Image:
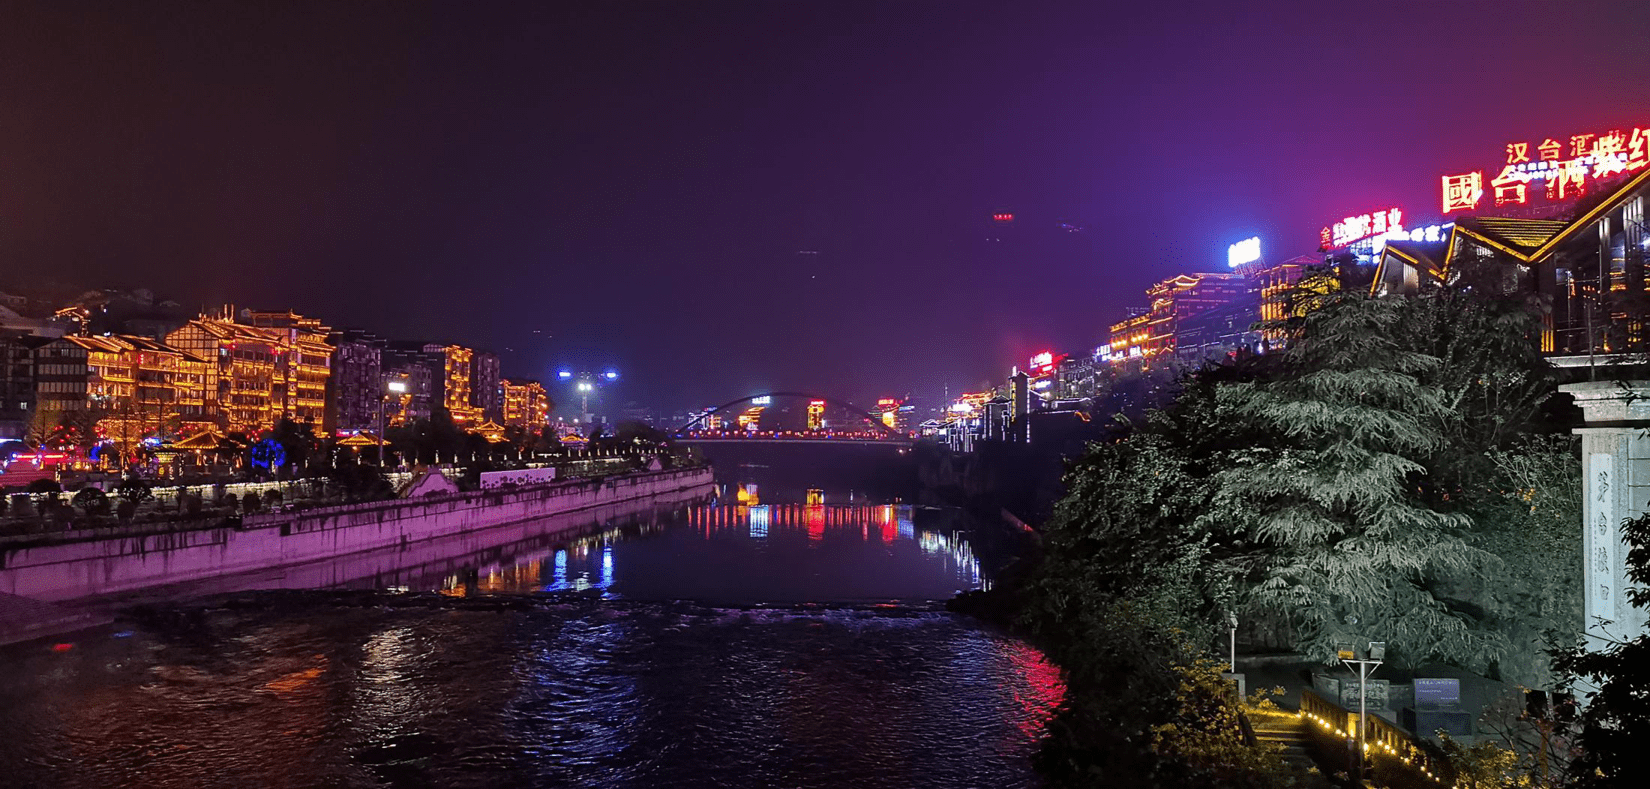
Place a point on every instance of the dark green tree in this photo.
(1350, 546)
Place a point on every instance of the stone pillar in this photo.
(1615, 466)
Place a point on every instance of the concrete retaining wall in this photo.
(87, 569)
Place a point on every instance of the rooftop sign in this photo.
(1563, 170)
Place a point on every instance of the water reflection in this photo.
(816, 547)
(655, 648)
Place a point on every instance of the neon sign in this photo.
(1043, 363)
(1357, 228)
(1565, 169)
(1245, 251)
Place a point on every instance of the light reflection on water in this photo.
(661, 654)
(743, 551)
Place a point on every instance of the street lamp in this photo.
(395, 387)
(1364, 667)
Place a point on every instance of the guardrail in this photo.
(1398, 757)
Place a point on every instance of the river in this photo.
(759, 640)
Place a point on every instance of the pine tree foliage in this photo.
(1350, 542)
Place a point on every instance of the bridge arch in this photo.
(838, 402)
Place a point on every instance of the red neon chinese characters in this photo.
(1550, 150)
(1518, 152)
(1607, 154)
(1638, 149)
(1580, 145)
(1462, 192)
(1569, 174)
(1511, 186)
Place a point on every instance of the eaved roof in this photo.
(1427, 256)
(1532, 239)
(1517, 237)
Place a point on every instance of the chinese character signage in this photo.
(1357, 228)
(1549, 171)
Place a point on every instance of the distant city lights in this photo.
(763, 400)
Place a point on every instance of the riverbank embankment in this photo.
(94, 568)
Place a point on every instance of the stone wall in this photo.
(125, 564)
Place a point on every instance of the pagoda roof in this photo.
(362, 439)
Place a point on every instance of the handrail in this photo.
(1384, 740)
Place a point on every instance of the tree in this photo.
(1617, 715)
(1349, 544)
(297, 440)
(47, 486)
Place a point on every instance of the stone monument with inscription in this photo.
(1615, 464)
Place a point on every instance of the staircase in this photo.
(1288, 731)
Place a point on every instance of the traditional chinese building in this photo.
(1152, 335)
(142, 388)
(303, 364)
(257, 375)
(526, 404)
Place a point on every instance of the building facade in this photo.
(486, 395)
(356, 388)
(1153, 336)
(526, 404)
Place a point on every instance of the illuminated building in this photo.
(526, 404)
(451, 370)
(816, 414)
(887, 412)
(963, 423)
(1570, 263)
(240, 370)
(1151, 336)
(255, 376)
(751, 420)
(142, 388)
(303, 364)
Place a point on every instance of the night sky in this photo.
(638, 183)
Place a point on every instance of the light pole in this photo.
(397, 387)
(1232, 623)
(585, 383)
(1364, 666)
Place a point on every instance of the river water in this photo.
(755, 641)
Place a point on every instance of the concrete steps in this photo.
(1289, 732)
